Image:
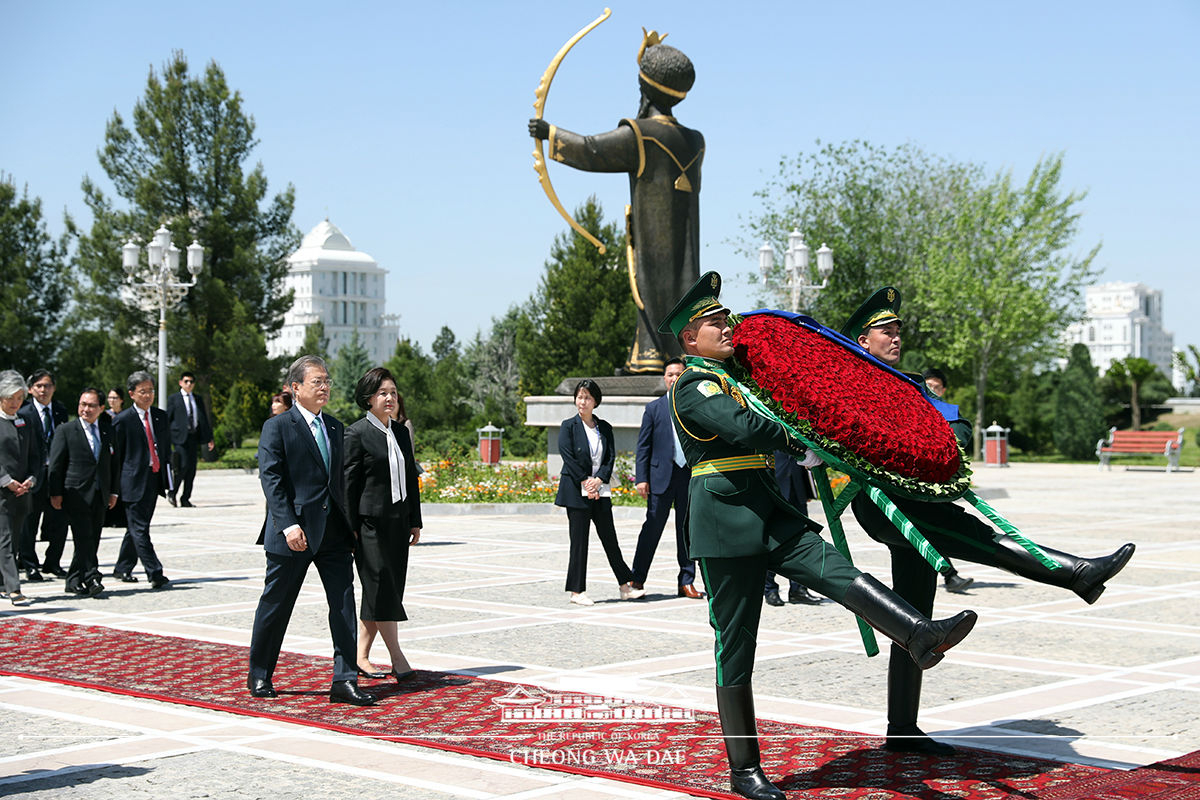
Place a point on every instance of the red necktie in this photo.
(150, 440)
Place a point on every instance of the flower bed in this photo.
(462, 478)
(867, 417)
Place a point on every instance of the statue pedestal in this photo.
(625, 398)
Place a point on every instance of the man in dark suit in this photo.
(300, 467)
(83, 485)
(189, 427)
(661, 476)
(44, 414)
(143, 447)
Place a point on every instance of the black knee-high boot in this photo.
(903, 702)
(735, 704)
(1084, 576)
(925, 640)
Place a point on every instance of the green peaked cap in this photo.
(879, 309)
(699, 301)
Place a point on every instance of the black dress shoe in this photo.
(57, 572)
(125, 577)
(159, 581)
(33, 576)
(911, 739)
(261, 687)
(773, 598)
(375, 676)
(348, 692)
(171, 500)
(803, 596)
(402, 676)
(93, 588)
(78, 589)
(186, 504)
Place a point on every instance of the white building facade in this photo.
(1123, 320)
(343, 288)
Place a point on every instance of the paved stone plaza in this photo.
(1116, 684)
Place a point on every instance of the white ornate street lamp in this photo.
(155, 285)
(795, 264)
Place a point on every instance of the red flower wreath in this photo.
(866, 416)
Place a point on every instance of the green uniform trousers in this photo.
(735, 592)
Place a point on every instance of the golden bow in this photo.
(539, 105)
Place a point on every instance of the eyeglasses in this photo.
(89, 405)
(142, 392)
(187, 380)
(320, 383)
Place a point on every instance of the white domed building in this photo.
(342, 287)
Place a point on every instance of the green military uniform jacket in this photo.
(728, 507)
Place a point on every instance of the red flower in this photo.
(870, 412)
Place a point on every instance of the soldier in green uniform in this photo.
(741, 526)
(954, 533)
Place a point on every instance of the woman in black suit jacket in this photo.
(383, 498)
(585, 443)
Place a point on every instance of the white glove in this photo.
(811, 459)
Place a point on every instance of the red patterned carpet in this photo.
(664, 747)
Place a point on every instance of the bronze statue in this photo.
(663, 160)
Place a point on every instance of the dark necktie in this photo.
(191, 414)
(154, 465)
(47, 424)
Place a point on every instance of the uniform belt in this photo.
(733, 464)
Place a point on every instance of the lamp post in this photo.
(795, 263)
(154, 284)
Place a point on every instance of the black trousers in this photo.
(137, 545)
(184, 457)
(284, 578)
(658, 507)
(735, 594)
(578, 522)
(86, 522)
(54, 530)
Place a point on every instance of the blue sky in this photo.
(404, 123)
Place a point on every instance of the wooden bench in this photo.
(1154, 443)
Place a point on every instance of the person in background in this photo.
(116, 402)
(43, 413)
(936, 383)
(19, 468)
(383, 499)
(585, 443)
(661, 477)
(83, 483)
(189, 427)
(143, 445)
(796, 488)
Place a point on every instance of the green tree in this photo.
(493, 382)
(33, 283)
(1078, 421)
(1032, 408)
(1003, 282)
(877, 209)
(1130, 375)
(316, 343)
(1190, 367)
(582, 316)
(985, 269)
(183, 163)
(350, 363)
